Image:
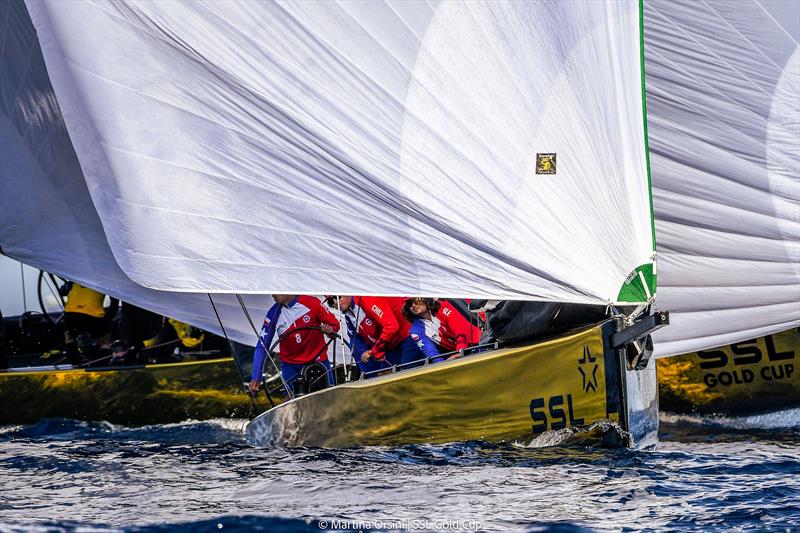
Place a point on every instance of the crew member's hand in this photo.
(327, 329)
(254, 386)
(365, 356)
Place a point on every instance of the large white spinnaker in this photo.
(47, 218)
(723, 103)
(362, 147)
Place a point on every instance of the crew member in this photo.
(122, 354)
(296, 350)
(457, 333)
(381, 331)
(437, 327)
(84, 323)
(84, 311)
(191, 337)
(425, 329)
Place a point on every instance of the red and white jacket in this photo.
(300, 347)
(379, 322)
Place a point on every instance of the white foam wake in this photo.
(789, 418)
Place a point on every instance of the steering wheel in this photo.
(50, 284)
(273, 356)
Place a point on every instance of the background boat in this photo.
(135, 395)
(749, 377)
(178, 375)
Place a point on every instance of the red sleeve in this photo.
(463, 332)
(461, 342)
(379, 311)
(326, 317)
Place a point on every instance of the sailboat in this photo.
(198, 380)
(349, 149)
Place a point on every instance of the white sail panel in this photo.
(360, 147)
(723, 102)
(47, 218)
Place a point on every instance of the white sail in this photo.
(47, 218)
(723, 106)
(362, 147)
(722, 97)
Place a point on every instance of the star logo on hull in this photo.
(587, 366)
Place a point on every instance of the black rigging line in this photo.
(267, 353)
(232, 348)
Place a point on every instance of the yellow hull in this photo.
(759, 375)
(501, 395)
(133, 396)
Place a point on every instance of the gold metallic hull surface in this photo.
(489, 396)
(154, 394)
(759, 375)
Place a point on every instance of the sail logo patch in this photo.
(545, 163)
(587, 366)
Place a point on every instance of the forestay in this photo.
(362, 147)
(723, 102)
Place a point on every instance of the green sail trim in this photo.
(644, 118)
(640, 284)
(634, 290)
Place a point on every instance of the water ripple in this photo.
(201, 476)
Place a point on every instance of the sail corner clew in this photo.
(639, 286)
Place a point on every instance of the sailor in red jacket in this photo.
(437, 327)
(305, 346)
(456, 331)
(378, 331)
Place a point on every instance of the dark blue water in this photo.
(201, 476)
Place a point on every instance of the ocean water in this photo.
(705, 474)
